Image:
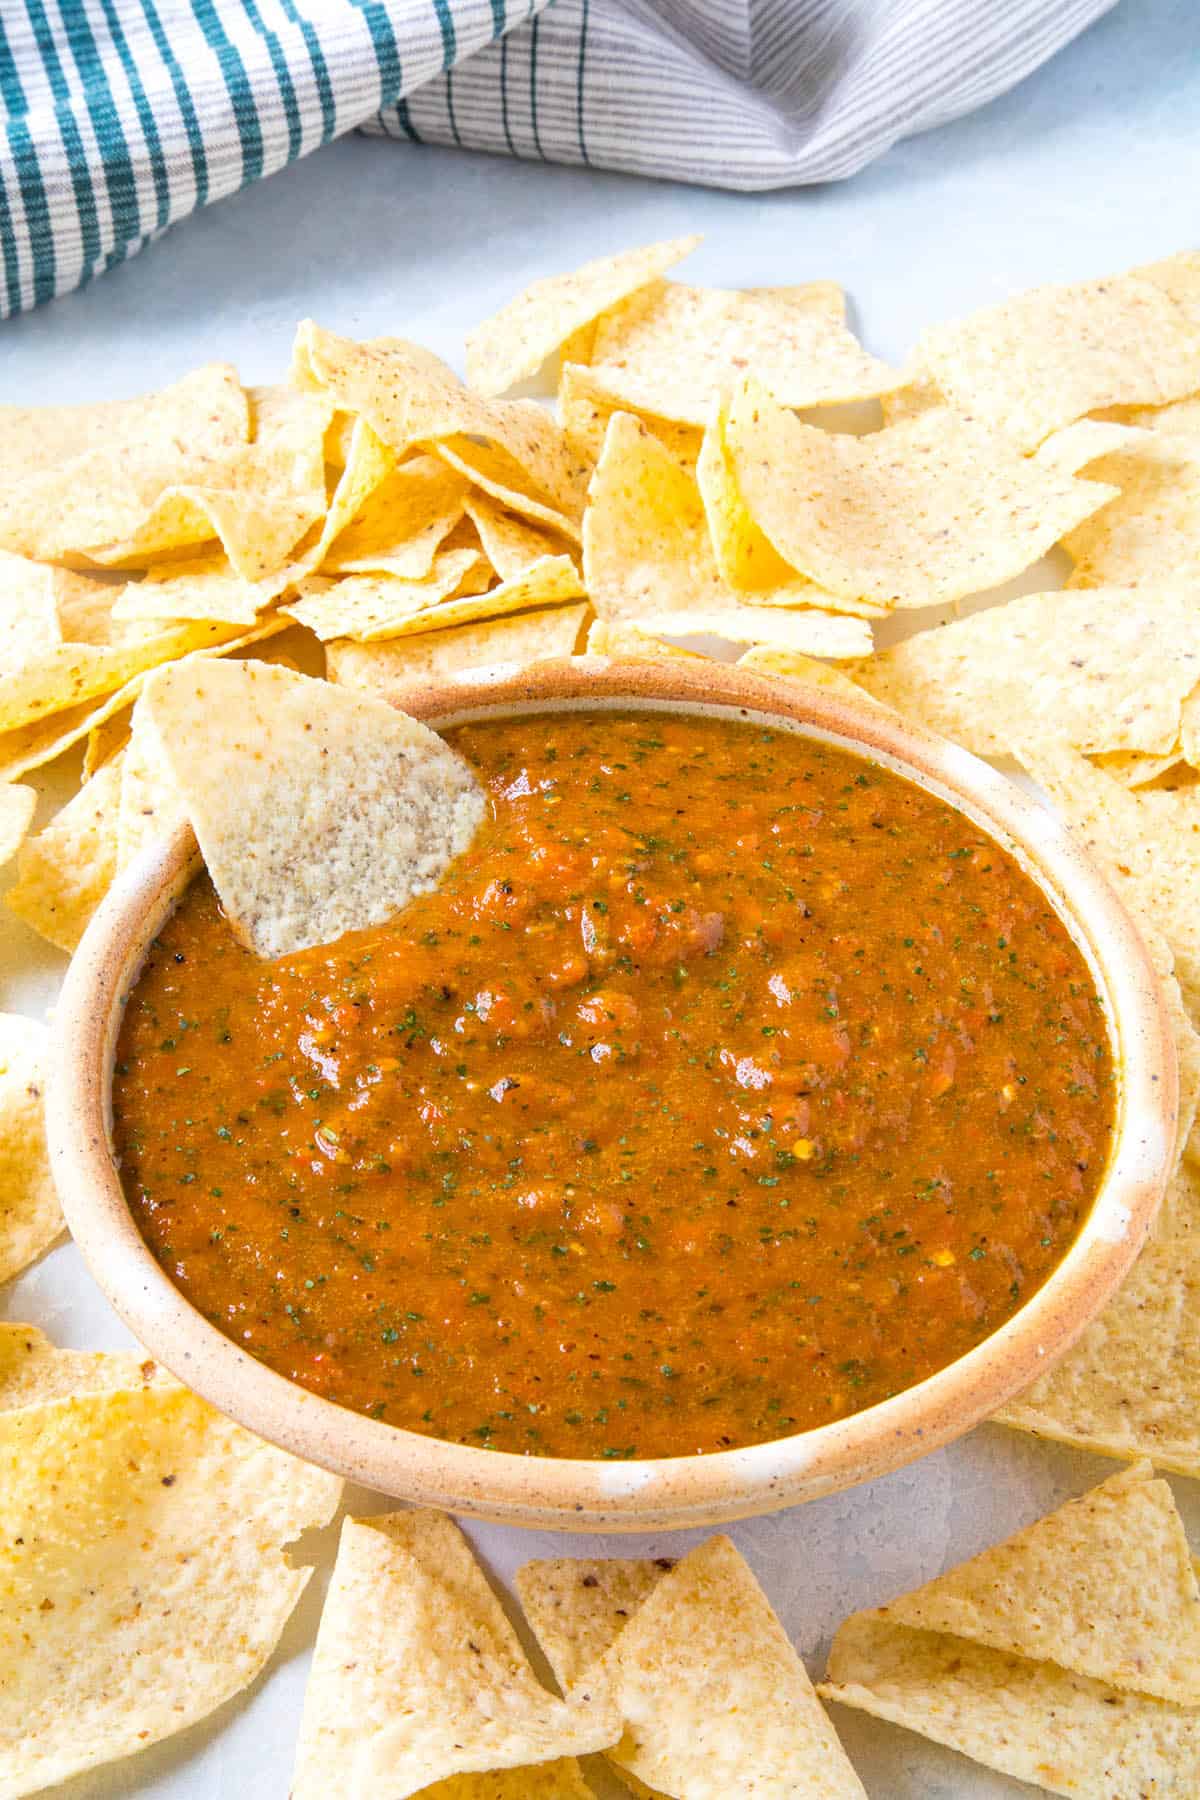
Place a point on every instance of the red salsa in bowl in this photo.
(729, 1084)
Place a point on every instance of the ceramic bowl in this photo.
(680, 1491)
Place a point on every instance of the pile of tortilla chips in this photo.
(1068, 1656)
(722, 465)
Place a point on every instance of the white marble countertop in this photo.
(1088, 167)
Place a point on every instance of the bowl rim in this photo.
(570, 1494)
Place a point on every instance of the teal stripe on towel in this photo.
(29, 176)
(183, 99)
(145, 113)
(81, 180)
(237, 83)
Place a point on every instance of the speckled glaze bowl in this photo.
(680, 1491)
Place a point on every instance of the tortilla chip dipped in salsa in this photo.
(722, 1085)
(318, 810)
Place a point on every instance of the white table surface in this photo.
(1090, 166)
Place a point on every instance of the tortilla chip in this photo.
(915, 515)
(1135, 768)
(206, 587)
(1076, 446)
(339, 436)
(1041, 360)
(29, 746)
(367, 463)
(412, 399)
(1181, 418)
(29, 626)
(533, 439)
(1178, 277)
(370, 606)
(1104, 1586)
(1104, 669)
(559, 1780)
(480, 574)
(206, 409)
(513, 344)
(496, 473)
(258, 501)
(585, 407)
(1053, 772)
(30, 1218)
(406, 394)
(1150, 532)
(85, 603)
(149, 807)
(17, 807)
(104, 740)
(1187, 1039)
(578, 1608)
(418, 1676)
(548, 582)
(745, 556)
(714, 1698)
(95, 478)
(1173, 768)
(1189, 729)
(1066, 1733)
(144, 1580)
(318, 811)
(510, 542)
(824, 297)
(1149, 848)
(256, 519)
(674, 350)
(496, 645)
(646, 544)
(291, 428)
(34, 1371)
(578, 347)
(400, 524)
(919, 394)
(620, 638)
(789, 665)
(72, 673)
(62, 678)
(65, 871)
(1130, 1385)
(543, 582)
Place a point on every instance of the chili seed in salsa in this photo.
(728, 1085)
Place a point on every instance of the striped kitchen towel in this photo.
(123, 116)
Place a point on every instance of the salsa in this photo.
(729, 1084)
